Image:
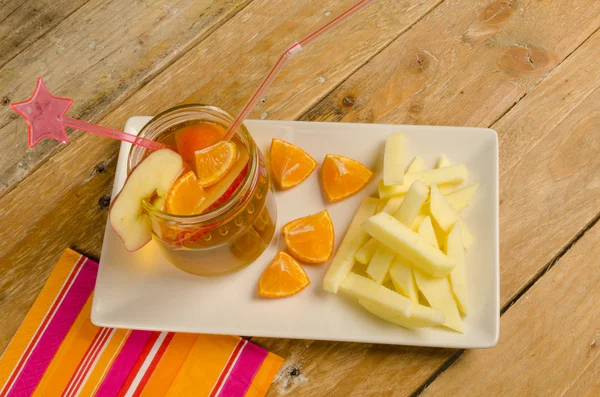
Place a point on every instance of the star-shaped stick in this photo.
(45, 117)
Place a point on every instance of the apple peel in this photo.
(153, 176)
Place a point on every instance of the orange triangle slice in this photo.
(341, 177)
(290, 165)
(214, 162)
(282, 277)
(310, 239)
(186, 196)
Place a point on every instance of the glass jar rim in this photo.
(168, 119)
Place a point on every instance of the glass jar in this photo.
(233, 234)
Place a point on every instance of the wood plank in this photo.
(588, 383)
(20, 278)
(552, 191)
(98, 60)
(554, 355)
(23, 22)
(225, 70)
(325, 370)
(539, 215)
(317, 368)
(78, 160)
(210, 73)
(480, 71)
(466, 63)
(68, 174)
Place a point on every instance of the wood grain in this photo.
(550, 170)
(475, 83)
(82, 155)
(98, 60)
(22, 274)
(464, 63)
(554, 355)
(23, 22)
(459, 66)
(539, 214)
(226, 70)
(78, 164)
(210, 72)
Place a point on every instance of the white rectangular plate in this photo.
(141, 290)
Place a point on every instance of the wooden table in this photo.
(530, 69)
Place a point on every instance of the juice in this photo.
(236, 220)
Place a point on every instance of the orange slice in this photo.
(185, 196)
(213, 163)
(310, 239)
(342, 177)
(290, 164)
(282, 277)
(195, 137)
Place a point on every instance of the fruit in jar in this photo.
(153, 176)
(185, 196)
(195, 137)
(214, 162)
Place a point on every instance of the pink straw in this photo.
(114, 134)
(287, 54)
(45, 117)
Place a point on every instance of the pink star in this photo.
(44, 115)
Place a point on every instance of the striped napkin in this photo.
(58, 351)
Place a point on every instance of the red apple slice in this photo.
(151, 177)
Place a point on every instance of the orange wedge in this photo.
(282, 277)
(196, 137)
(310, 239)
(185, 196)
(342, 177)
(214, 162)
(290, 164)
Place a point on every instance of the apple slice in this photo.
(441, 210)
(355, 237)
(397, 236)
(458, 276)
(151, 177)
(362, 288)
(403, 280)
(461, 198)
(443, 162)
(380, 263)
(421, 316)
(366, 252)
(416, 165)
(392, 205)
(439, 176)
(393, 160)
(406, 213)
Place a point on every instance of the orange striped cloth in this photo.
(57, 351)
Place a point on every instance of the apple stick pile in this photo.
(403, 256)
